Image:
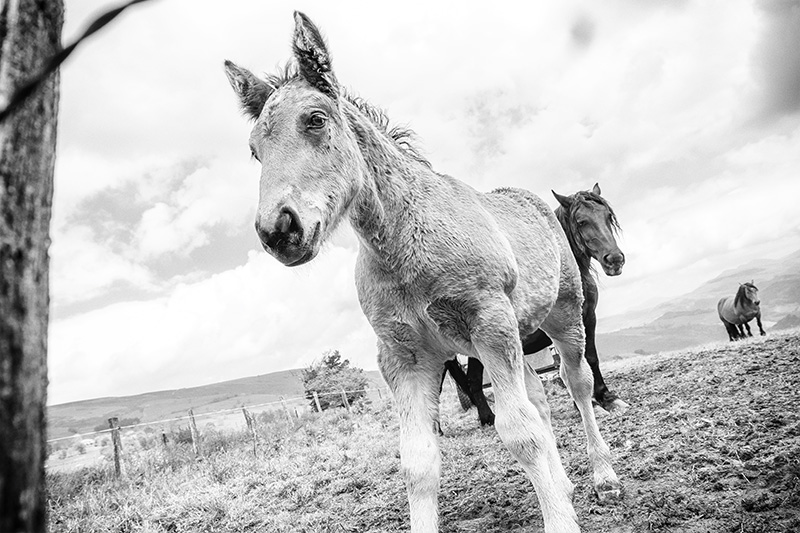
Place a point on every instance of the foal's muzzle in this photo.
(285, 237)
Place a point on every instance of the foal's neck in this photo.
(385, 206)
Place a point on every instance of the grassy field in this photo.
(710, 444)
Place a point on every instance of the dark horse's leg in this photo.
(604, 397)
(747, 327)
(475, 379)
(760, 327)
(607, 399)
(733, 333)
(471, 384)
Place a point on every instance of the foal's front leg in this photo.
(414, 381)
(760, 327)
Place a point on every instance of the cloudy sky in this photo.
(686, 112)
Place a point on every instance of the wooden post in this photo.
(251, 425)
(195, 434)
(344, 401)
(316, 402)
(286, 410)
(164, 438)
(31, 33)
(113, 423)
(380, 394)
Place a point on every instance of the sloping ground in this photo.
(710, 444)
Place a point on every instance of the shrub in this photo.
(328, 377)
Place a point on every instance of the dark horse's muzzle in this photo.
(612, 263)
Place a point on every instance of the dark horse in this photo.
(737, 312)
(590, 225)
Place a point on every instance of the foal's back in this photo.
(547, 271)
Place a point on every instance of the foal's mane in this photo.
(568, 221)
(403, 138)
(741, 293)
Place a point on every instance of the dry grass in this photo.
(711, 444)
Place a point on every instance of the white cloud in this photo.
(83, 269)
(221, 194)
(259, 318)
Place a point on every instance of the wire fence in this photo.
(233, 410)
(86, 449)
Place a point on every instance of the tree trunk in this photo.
(30, 31)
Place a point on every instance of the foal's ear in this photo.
(252, 91)
(312, 56)
(596, 189)
(565, 201)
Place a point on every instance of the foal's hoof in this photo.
(487, 420)
(617, 406)
(611, 403)
(609, 491)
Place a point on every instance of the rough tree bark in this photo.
(30, 31)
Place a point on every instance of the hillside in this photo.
(83, 416)
(691, 319)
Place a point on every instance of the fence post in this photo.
(113, 423)
(195, 434)
(316, 401)
(380, 394)
(344, 401)
(248, 418)
(286, 410)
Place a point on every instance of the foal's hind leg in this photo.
(538, 397)
(747, 327)
(525, 433)
(568, 335)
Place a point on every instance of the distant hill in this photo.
(691, 319)
(83, 416)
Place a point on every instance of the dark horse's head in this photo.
(747, 295)
(310, 165)
(590, 225)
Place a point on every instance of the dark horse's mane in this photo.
(741, 294)
(403, 138)
(567, 219)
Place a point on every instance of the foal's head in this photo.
(591, 228)
(310, 164)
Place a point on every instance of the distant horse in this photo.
(590, 224)
(442, 269)
(736, 311)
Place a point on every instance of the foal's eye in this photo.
(316, 121)
(253, 154)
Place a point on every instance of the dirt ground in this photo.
(711, 443)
